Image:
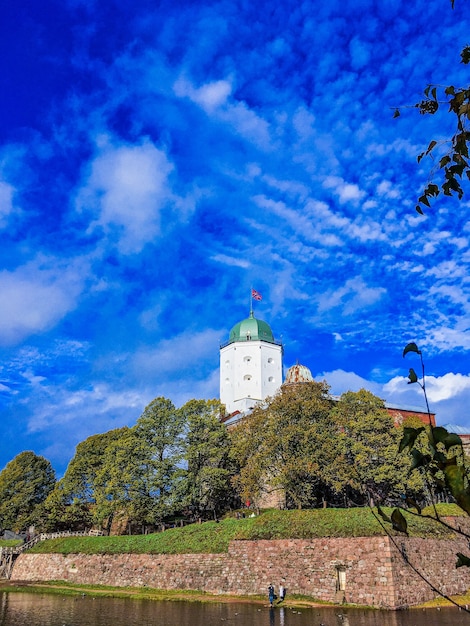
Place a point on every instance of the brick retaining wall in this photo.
(376, 575)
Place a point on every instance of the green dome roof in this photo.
(251, 329)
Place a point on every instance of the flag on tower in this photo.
(256, 295)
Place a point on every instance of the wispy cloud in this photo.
(37, 295)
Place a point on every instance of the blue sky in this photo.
(157, 159)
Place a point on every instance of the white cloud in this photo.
(248, 124)
(214, 99)
(341, 381)
(6, 202)
(128, 189)
(346, 192)
(36, 296)
(447, 338)
(230, 260)
(447, 386)
(182, 353)
(96, 408)
(209, 97)
(386, 189)
(446, 394)
(353, 296)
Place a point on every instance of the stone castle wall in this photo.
(373, 572)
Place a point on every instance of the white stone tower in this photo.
(250, 365)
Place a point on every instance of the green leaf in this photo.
(420, 210)
(399, 522)
(452, 440)
(418, 459)
(462, 560)
(409, 437)
(465, 54)
(411, 347)
(439, 434)
(431, 146)
(440, 458)
(396, 113)
(455, 480)
(445, 159)
(424, 200)
(383, 515)
(432, 190)
(412, 376)
(414, 504)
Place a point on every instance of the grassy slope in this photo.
(10, 543)
(213, 537)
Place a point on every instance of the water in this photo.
(26, 609)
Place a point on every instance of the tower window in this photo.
(247, 359)
(271, 379)
(270, 360)
(247, 377)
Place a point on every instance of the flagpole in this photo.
(251, 301)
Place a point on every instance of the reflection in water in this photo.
(272, 620)
(25, 609)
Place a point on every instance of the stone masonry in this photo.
(372, 570)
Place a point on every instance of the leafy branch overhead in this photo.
(453, 163)
(438, 455)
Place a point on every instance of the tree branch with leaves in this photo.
(453, 162)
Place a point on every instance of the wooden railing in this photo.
(8, 555)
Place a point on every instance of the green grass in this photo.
(210, 537)
(10, 543)
(213, 537)
(444, 509)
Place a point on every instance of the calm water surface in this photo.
(24, 609)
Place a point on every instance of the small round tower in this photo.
(298, 374)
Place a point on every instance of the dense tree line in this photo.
(302, 445)
(318, 451)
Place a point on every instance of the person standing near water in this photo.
(282, 593)
(271, 594)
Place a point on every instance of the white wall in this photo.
(250, 371)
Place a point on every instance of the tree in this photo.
(77, 496)
(81, 481)
(283, 448)
(369, 467)
(25, 483)
(143, 468)
(207, 483)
